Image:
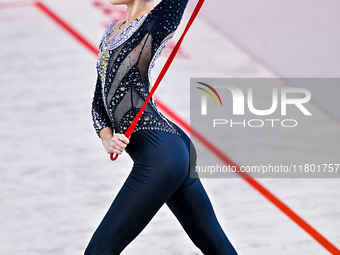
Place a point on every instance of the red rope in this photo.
(162, 73)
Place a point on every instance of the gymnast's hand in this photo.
(113, 143)
(117, 144)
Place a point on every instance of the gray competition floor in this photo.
(56, 180)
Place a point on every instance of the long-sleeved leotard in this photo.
(163, 162)
(124, 64)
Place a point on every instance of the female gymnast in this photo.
(162, 153)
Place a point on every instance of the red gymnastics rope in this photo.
(162, 73)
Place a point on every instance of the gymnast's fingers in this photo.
(122, 138)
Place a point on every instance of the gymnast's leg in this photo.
(193, 209)
(157, 173)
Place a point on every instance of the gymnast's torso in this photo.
(125, 59)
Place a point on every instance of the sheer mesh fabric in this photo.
(124, 63)
(136, 61)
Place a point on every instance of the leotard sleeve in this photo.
(143, 46)
(166, 17)
(99, 114)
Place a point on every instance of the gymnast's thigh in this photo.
(136, 203)
(148, 186)
(193, 209)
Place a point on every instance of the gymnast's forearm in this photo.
(113, 143)
(106, 135)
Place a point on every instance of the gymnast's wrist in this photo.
(106, 135)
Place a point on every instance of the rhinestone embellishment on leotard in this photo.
(120, 38)
(146, 121)
(125, 85)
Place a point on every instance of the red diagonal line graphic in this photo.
(67, 27)
(265, 192)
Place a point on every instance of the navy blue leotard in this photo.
(163, 156)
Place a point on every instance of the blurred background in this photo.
(56, 180)
(294, 39)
